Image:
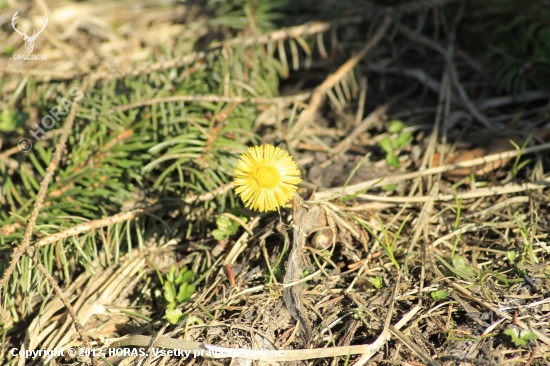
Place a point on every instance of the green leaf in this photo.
(390, 187)
(511, 256)
(169, 291)
(219, 234)
(462, 266)
(376, 281)
(233, 227)
(185, 275)
(223, 223)
(195, 320)
(386, 145)
(185, 292)
(226, 227)
(395, 126)
(403, 139)
(458, 271)
(527, 335)
(7, 122)
(171, 276)
(392, 160)
(514, 334)
(520, 338)
(174, 316)
(439, 295)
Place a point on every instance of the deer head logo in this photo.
(29, 41)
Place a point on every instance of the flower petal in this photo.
(266, 177)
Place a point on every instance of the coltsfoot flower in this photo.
(266, 177)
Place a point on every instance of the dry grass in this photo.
(434, 262)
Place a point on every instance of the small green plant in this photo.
(398, 140)
(461, 264)
(177, 289)
(376, 281)
(226, 227)
(174, 316)
(389, 187)
(528, 233)
(517, 164)
(520, 337)
(346, 363)
(387, 244)
(439, 295)
(511, 256)
(352, 174)
(459, 267)
(357, 313)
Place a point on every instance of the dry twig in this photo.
(320, 91)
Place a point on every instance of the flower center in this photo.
(267, 177)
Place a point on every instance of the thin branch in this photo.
(377, 182)
(127, 216)
(482, 192)
(319, 93)
(6, 154)
(212, 98)
(379, 114)
(526, 97)
(418, 74)
(78, 326)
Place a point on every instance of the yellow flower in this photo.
(266, 177)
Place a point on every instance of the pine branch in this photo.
(25, 247)
(212, 98)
